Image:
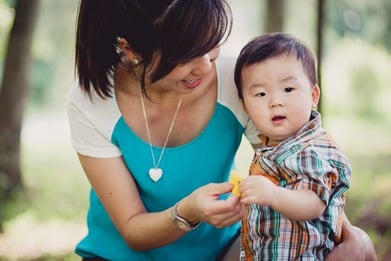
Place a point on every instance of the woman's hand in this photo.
(205, 205)
(355, 245)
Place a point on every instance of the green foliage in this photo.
(53, 205)
(52, 47)
(365, 87)
(17, 203)
(43, 77)
(357, 85)
(369, 20)
(55, 183)
(368, 203)
(6, 16)
(53, 50)
(65, 257)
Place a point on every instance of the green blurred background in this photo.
(46, 222)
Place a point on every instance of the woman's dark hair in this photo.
(270, 45)
(177, 30)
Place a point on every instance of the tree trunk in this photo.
(319, 43)
(13, 94)
(275, 16)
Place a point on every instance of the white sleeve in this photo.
(229, 97)
(91, 125)
(251, 133)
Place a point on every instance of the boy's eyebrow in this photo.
(256, 85)
(288, 78)
(284, 79)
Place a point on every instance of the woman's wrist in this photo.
(181, 222)
(186, 212)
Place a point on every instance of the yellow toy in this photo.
(235, 179)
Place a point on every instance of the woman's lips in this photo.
(192, 83)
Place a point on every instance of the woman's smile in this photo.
(191, 84)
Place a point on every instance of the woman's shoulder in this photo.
(93, 104)
(92, 119)
(225, 66)
(228, 95)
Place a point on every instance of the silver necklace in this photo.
(156, 173)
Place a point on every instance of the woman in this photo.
(156, 123)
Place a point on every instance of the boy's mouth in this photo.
(278, 118)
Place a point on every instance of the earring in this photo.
(135, 61)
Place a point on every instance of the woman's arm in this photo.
(355, 245)
(142, 230)
(118, 193)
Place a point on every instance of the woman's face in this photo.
(187, 77)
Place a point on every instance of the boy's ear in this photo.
(315, 95)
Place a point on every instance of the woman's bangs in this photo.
(199, 31)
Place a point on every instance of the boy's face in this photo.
(278, 96)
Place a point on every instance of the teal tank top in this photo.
(207, 158)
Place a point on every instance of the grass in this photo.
(50, 215)
(50, 218)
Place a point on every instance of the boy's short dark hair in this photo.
(270, 45)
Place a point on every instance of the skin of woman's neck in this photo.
(128, 83)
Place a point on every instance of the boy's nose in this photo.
(276, 101)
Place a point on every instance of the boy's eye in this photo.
(260, 94)
(288, 89)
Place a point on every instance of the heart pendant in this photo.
(155, 174)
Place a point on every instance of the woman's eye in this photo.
(183, 62)
(288, 89)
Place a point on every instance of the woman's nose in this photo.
(204, 63)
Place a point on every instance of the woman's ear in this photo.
(128, 51)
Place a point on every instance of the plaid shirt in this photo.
(309, 160)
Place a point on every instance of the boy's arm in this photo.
(299, 205)
(295, 204)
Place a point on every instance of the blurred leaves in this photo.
(52, 47)
(370, 20)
